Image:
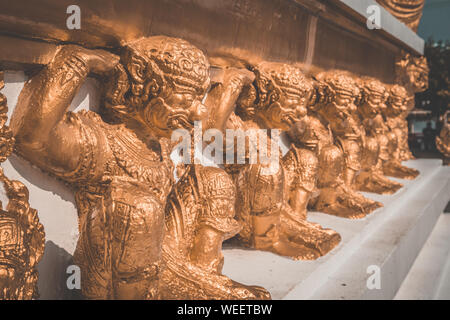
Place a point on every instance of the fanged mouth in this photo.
(311, 143)
(351, 136)
(290, 120)
(180, 121)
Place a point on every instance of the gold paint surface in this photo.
(144, 235)
(273, 207)
(374, 142)
(140, 233)
(443, 140)
(22, 236)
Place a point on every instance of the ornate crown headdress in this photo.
(398, 91)
(371, 86)
(340, 82)
(175, 61)
(272, 78)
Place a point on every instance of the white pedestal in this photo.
(390, 238)
(429, 277)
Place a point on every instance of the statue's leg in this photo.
(335, 197)
(371, 178)
(301, 170)
(393, 167)
(192, 249)
(89, 257)
(137, 225)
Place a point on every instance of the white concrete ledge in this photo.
(389, 24)
(390, 238)
(428, 278)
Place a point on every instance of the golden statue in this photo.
(337, 112)
(394, 128)
(407, 11)
(271, 205)
(443, 140)
(200, 212)
(412, 74)
(374, 145)
(22, 236)
(118, 163)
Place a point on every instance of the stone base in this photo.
(429, 277)
(390, 238)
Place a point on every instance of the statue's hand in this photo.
(244, 76)
(98, 61)
(101, 61)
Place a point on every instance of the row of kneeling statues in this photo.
(144, 235)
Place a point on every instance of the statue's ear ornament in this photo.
(136, 67)
(322, 94)
(248, 107)
(262, 84)
(158, 83)
(274, 96)
(117, 86)
(362, 95)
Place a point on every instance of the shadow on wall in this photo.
(41, 179)
(52, 274)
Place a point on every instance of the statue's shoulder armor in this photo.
(203, 196)
(218, 192)
(129, 155)
(94, 149)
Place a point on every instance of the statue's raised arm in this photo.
(45, 132)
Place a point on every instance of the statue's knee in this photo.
(331, 163)
(137, 232)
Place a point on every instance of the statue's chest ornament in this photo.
(137, 160)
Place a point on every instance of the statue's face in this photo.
(372, 105)
(343, 104)
(397, 105)
(176, 111)
(305, 133)
(418, 77)
(168, 78)
(287, 110)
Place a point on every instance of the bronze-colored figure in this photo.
(443, 140)
(119, 169)
(396, 106)
(337, 111)
(199, 217)
(412, 74)
(272, 207)
(22, 236)
(374, 145)
(118, 176)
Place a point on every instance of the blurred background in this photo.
(425, 121)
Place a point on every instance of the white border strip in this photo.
(389, 24)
